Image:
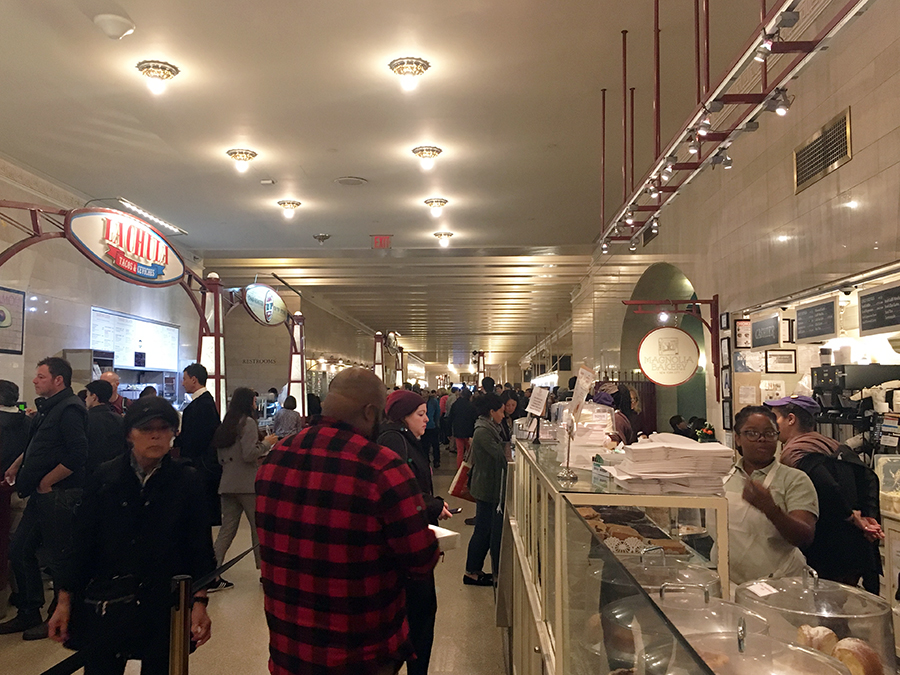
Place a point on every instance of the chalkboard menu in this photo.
(879, 311)
(766, 332)
(816, 322)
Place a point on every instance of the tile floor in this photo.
(466, 639)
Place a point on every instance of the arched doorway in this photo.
(663, 281)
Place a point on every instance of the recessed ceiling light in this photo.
(436, 204)
(443, 238)
(350, 181)
(409, 68)
(158, 74)
(289, 206)
(114, 26)
(242, 158)
(426, 153)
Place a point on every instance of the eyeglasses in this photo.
(754, 435)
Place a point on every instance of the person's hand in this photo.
(271, 440)
(869, 526)
(445, 514)
(43, 488)
(10, 475)
(201, 626)
(758, 496)
(30, 412)
(58, 624)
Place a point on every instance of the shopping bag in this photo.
(459, 486)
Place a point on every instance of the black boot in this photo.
(21, 622)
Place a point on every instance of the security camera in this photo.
(846, 290)
(784, 308)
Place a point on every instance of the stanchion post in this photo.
(180, 627)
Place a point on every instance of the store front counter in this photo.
(571, 549)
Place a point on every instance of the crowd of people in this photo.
(115, 500)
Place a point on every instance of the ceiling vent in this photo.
(350, 181)
(827, 150)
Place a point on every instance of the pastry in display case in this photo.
(753, 654)
(841, 621)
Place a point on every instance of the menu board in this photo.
(879, 311)
(766, 332)
(138, 344)
(816, 322)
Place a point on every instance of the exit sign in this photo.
(381, 241)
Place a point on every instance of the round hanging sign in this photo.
(668, 356)
(265, 305)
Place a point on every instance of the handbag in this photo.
(459, 486)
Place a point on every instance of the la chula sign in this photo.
(124, 246)
(265, 305)
(668, 356)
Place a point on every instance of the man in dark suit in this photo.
(199, 422)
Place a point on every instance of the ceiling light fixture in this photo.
(321, 238)
(242, 158)
(409, 68)
(653, 191)
(288, 206)
(669, 169)
(604, 247)
(632, 245)
(158, 74)
(443, 238)
(629, 215)
(663, 317)
(764, 49)
(134, 208)
(426, 153)
(436, 204)
(704, 126)
(654, 225)
(115, 27)
(694, 147)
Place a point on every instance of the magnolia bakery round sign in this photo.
(265, 305)
(668, 356)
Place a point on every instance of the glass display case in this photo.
(568, 552)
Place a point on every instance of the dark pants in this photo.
(421, 609)
(432, 440)
(483, 539)
(112, 664)
(47, 521)
(445, 430)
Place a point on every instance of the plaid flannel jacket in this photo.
(341, 524)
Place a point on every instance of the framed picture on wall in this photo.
(725, 352)
(743, 337)
(724, 321)
(726, 415)
(12, 320)
(726, 383)
(781, 361)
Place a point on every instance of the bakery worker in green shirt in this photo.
(772, 508)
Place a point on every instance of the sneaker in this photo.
(39, 632)
(21, 622)
(219, 585)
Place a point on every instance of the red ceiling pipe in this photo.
(624, 116)
(603, 157)
(631, 134)
(764, 66)
(657, 145)
(697, 47)
(706, 82)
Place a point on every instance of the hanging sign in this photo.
(265, 305)
(668, 356)
(766, 332)
(124, 246)
(817, 322)
(879, 311)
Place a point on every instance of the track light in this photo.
(669, 169)
(694, 146)
(726, 163)
(604, 247)
(779, 102)
(654, 225)
(704, 126)
(653, 191)
(629, 215)
(632, 245)
(764, 49)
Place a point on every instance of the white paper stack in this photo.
(672, 463)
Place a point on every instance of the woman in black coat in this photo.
(407, 416)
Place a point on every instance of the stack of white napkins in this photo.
(673, 463)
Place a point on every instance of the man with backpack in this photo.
(845, 547)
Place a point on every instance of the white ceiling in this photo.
(513, 98)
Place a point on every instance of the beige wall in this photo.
(66, 285)
(723, 230)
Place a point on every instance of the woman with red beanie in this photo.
(407, 416)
